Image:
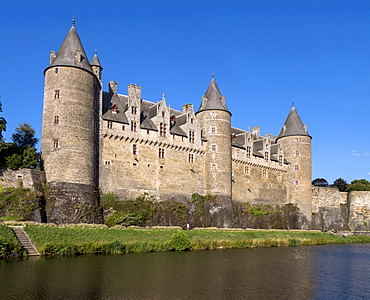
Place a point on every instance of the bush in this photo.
(109, 200)
(180, 241)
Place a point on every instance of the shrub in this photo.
(109, 200)
(180, 241)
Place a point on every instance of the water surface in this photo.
(314, 272)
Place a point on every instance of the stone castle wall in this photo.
(26, 178)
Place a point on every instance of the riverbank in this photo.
(83, 239)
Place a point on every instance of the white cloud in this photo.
(355, 153)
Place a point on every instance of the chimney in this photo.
(187, 107)
(256, 131)
(113, 87)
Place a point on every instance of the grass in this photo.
(76, 241)
(9, 246)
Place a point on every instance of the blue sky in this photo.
(265, 54)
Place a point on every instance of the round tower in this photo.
(69, 129)
(296, 145)
(214, 118)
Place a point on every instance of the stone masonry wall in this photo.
(359, 210)
(26, 178)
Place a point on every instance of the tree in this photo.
(341, 184)
(24, 135)
(359, 185)
(320, 182)
(2, 125)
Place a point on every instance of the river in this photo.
(311, 272)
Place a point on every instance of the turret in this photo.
(69, 130)
(96, 66)
(214, 118)
(296, 145)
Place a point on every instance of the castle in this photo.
(108, 142)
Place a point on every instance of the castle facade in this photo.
(95, 142)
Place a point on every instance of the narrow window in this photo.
(192, 121)
(213, 167)
(246, 170)
(279, 177)
(248, 152)
(296, 182)
(110, 125)
(123, 127)
(213, 129)
(134, 110)
(161, 153)
(191, 136)
(56, 70)
(133, 126)
(191, 158)
(296, 167)
(297, 153)
(56, 119)
(107, 162)
(56, 144)
(56, 94)
(163, 114)
(213, 147)
(134, 149)
(148, 131)
(280, 160)
(163, 129)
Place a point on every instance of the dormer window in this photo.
(233, 137)
(134, 110)
(192, 136)
(249, 152)
(133, 126)
(163, 129)
(163, 114)
(266, 156)
(114, 108)
(192, 120)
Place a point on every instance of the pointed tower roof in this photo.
(213, 100)
(293, 125)
(71, 53)
(95, 61)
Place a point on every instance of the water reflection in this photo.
(318, 272)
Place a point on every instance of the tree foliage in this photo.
(24, 135)
(21, 153)
(341, 184)
(320, 182)
(359, 185)
(2, 125)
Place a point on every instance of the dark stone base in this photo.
(72, 203)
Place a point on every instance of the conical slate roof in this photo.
(95, 61)
(213, 99)
(66, 55)
(293, 125)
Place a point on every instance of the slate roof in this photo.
(66, 55)
(293, 125)
(213, 99)
(95, 61)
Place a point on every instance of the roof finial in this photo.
(163, 96)
(95, 51)
(213, 74)
(73, 20)
(293, 103)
